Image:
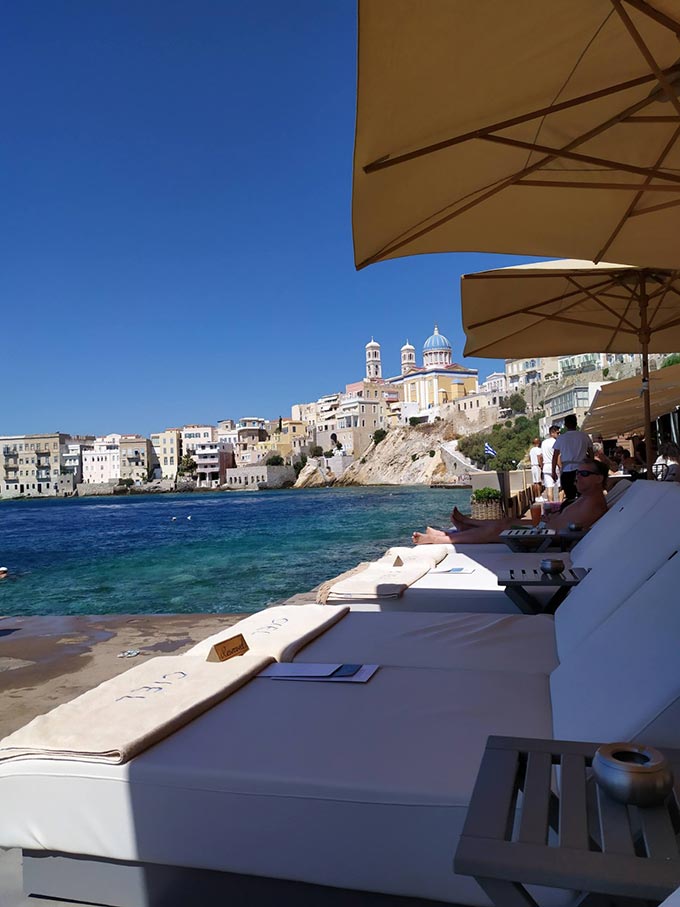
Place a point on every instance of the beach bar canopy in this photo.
(566, 307)
(534, 128)
(616, 406)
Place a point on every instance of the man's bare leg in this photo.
(433, 537)
(489, 531)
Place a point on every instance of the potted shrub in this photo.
(486, 504)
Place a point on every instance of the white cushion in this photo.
(630, 559)
(622, 518)
(623, 681)
(363, 786)
(493, 642)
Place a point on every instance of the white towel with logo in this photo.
(130, 712)
(278, 632)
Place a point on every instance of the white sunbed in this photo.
(359, 786)
(646, 504)
(503, 641)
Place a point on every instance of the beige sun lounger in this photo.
(359, 786)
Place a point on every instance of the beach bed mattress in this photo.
(361, 786)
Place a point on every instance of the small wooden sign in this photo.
(228, 648)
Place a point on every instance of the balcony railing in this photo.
(9, 453)
(11, 467)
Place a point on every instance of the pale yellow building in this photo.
(168, 447)
(31, 464)
(424, 389)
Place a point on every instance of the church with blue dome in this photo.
(424, 389)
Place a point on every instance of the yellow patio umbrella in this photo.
(616, 406)
(529, 127)
(558, 308)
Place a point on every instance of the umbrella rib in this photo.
(667, 324)
(508, 181)
(575, 184)
(631, 207)
(386, 160)
(623, 317)
(650, 172)
(599, 302)
(652, 208)
(660, 17)
(651, 119)
(662, 292)
(647, 54)
(529, 310)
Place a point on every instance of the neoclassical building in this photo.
(425, 388)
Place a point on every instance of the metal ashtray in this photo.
(633, 773)
(552, 565)
(574, 527)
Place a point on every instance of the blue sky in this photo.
(175, 237)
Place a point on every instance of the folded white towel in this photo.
(279, 632)
(125, 715)
(434, 553)
(379, 580)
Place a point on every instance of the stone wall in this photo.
(260, 476)
(95, 488)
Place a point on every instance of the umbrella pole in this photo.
(644, 343)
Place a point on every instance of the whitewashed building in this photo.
(102, 464)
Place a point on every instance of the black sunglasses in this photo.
(586, 472)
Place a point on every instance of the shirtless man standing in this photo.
(591, 477)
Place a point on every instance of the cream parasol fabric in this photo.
(528, 127)
(557, 308)
(562, 307)
(616, 406)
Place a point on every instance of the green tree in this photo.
(300, 464)
(187, 465)
(517, 403)
(671, 360)
(316, 451)
(379, 435)
(274, 459)
(413, 421)
(510, 443)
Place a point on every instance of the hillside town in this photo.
(337, 429)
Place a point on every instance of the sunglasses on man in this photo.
(586, 472)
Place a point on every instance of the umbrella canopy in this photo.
(566, 307)
(616, 406)
(604, 308)
(528, 127)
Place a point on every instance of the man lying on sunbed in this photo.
(586, 509)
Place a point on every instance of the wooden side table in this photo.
(530, 539)
(581, 839)
(517, 579)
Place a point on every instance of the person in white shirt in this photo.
(536, 460)
(571, 449)
(549, 483)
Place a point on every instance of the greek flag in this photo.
(488, 450)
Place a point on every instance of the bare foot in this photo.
(459, 520)
(431, 537)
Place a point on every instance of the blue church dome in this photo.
(436, 342)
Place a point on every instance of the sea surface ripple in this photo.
(238, 552)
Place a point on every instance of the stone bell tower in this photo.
(373, 366)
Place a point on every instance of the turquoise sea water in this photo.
(238, 552)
